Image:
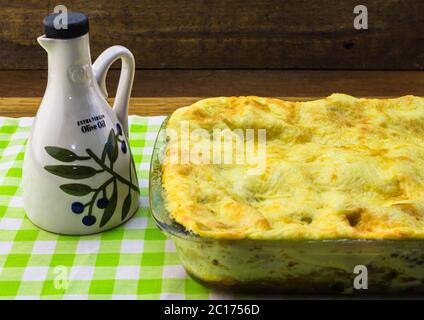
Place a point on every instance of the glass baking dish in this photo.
(289, 266)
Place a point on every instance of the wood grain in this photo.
(208, 83)
(213, 34)
(27, 107)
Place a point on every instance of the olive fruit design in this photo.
(105, 196)
(77, 207)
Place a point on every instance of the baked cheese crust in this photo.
(336, 168)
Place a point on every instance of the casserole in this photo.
(382, 262)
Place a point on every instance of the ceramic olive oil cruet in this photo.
(79, 175)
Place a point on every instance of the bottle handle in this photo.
(101, 67)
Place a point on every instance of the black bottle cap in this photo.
(77, 25)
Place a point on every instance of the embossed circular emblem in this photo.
(78, 73)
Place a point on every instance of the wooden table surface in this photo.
(159, 92)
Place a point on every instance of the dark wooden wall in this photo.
(218, 34)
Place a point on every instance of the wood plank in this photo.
(207, 83)
(27, 107)
(21, 21)
(213, 34)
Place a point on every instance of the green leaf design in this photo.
(76, 189)
(111, 206)
(112, 147)
(71, 172)
(63, 154)
(126, 205)
(75, 172)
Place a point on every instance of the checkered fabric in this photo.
(133, 261)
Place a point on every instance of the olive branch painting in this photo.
(100, 194)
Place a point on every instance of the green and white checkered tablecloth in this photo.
(133, 261)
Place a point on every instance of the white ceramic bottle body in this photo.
(78, 163)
